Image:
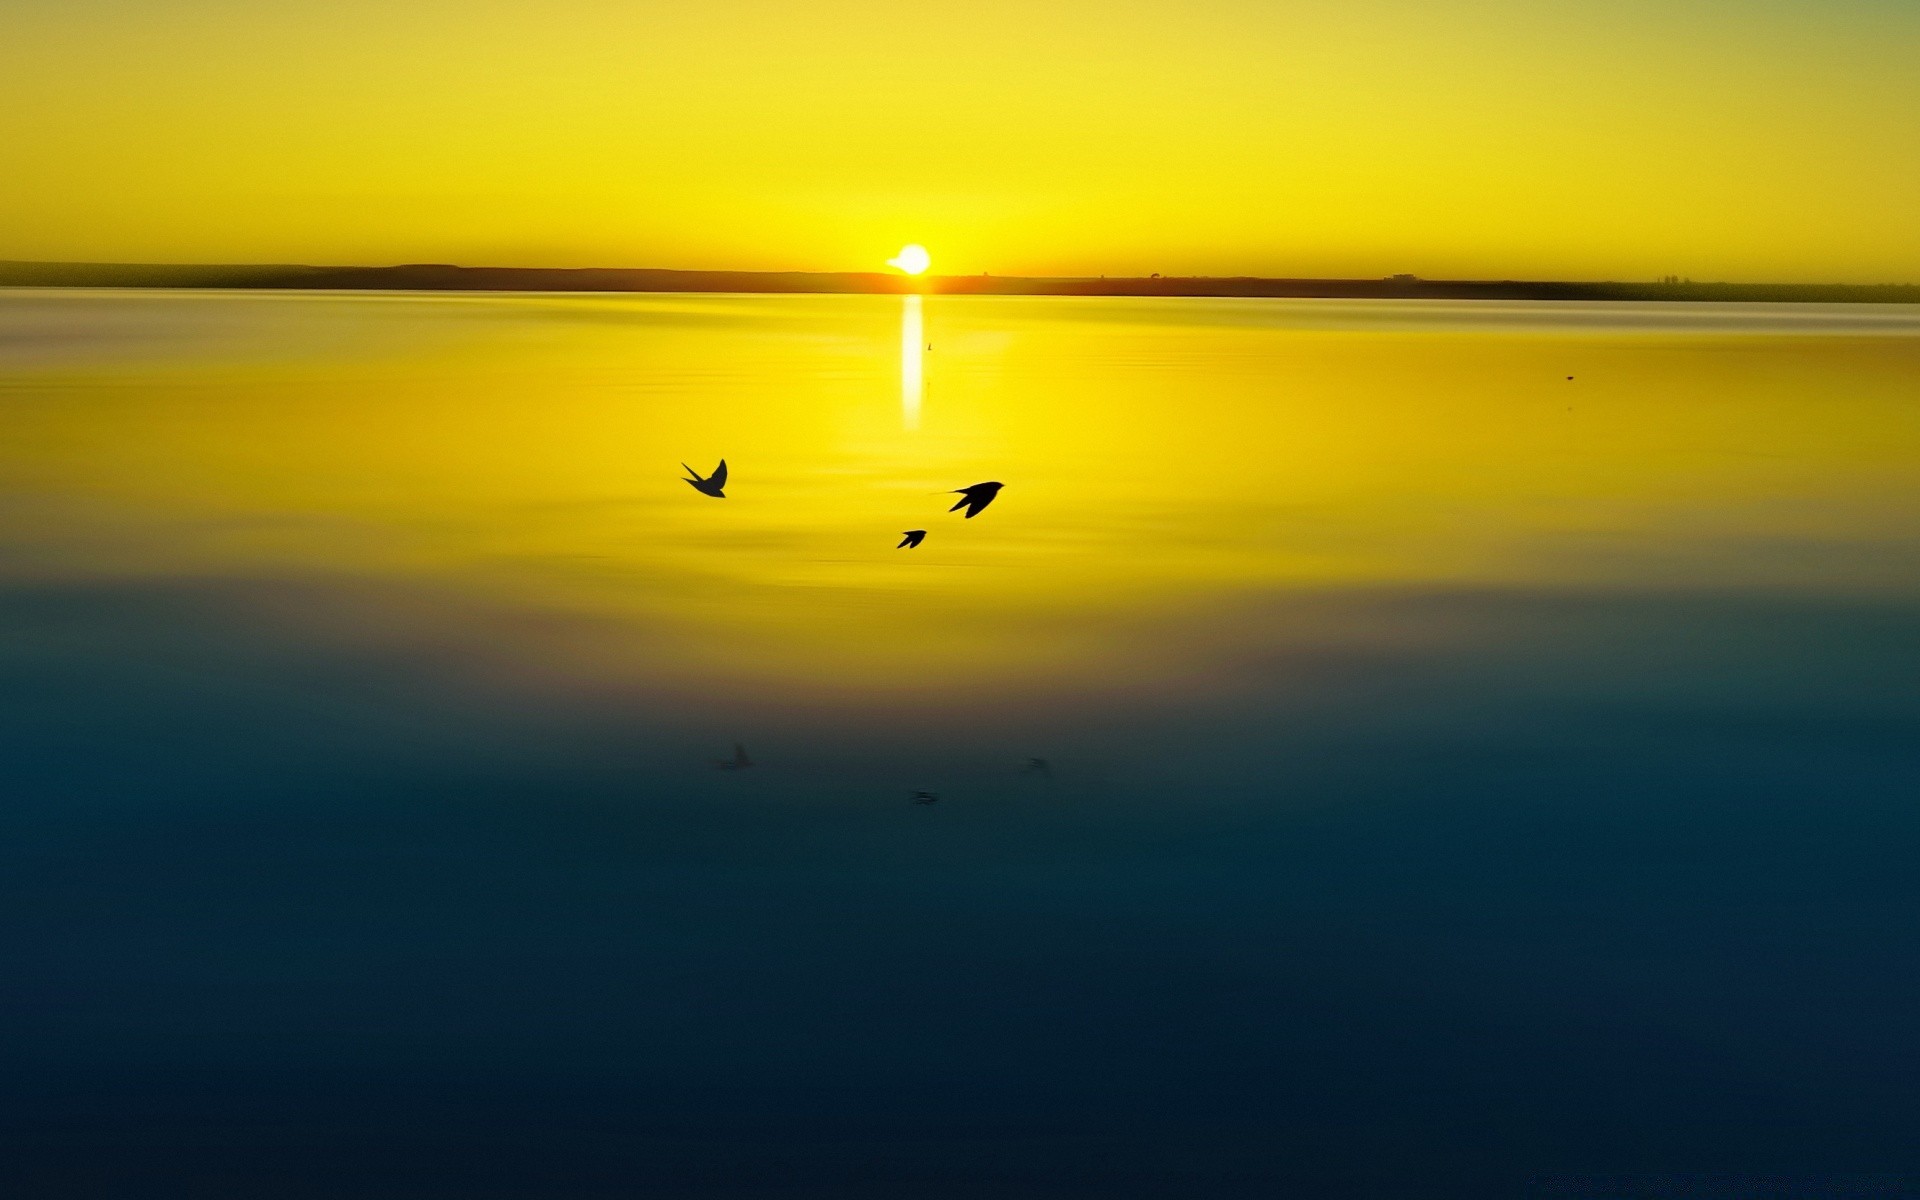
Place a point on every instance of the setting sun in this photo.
(913, 259)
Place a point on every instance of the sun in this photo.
(912, 259)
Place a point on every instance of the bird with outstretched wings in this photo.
(975, 498)
(713, 484)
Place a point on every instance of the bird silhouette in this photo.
(712, 484)
(926, 798)
(975, 498)
(1037, 766)
(914, 538)
(739, 761)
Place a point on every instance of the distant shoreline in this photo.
(436, 277)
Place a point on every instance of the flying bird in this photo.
(739, 761)
(914, 538)
(975, 498)
(926, 798)
(712, 484)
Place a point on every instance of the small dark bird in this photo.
(1037, 766)
(712, 484)
(739, 761)
(914, 538)
(975, 498)
(1569, 379)
(925, 798)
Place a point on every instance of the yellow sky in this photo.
(1738, 139)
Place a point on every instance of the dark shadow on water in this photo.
(1580, 883)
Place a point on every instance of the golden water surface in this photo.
(1163, 461)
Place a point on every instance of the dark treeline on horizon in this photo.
(441, 277)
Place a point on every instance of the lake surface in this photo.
(1481, 742)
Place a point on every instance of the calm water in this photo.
(1464, 779)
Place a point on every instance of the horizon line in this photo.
(454, 277)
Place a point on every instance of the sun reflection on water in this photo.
(912, 363)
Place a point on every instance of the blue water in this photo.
(323, 877)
